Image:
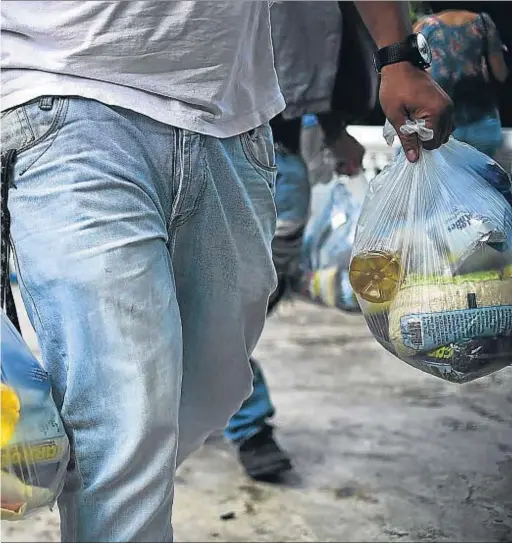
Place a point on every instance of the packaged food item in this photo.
(330, 287)
(432, 261)
(327, 243)
(34, 445)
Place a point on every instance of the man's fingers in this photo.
(441, 134)
(447, 136)
(441, 124)
(439, 130)
(349, 168)
(410, 142)
(436, 141)
(450, 129)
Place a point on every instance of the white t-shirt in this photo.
(204, 66)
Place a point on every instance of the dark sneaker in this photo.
(262, 457)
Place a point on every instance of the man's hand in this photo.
(348, 153)
(407, 92)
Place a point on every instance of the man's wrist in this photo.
(415, 50)
(333, 124)
(399, 68)
(333, 137)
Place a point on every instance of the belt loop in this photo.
(46, 103)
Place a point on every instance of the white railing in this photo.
(378, 154)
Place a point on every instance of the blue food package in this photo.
(35, 447)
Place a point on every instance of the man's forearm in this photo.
(388, 22)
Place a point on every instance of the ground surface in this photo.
(382, 451)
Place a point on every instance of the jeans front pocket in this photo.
(258, 147)
(32, 126)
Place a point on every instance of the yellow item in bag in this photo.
(10, 413)
(34, 446)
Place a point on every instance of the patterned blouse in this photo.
(458, 53)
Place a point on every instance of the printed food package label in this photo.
(35, 453)
(431, 330)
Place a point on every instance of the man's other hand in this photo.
(348, 153)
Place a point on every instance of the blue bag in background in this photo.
(328, 241)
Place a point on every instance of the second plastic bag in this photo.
(34, 445)
(328, 241)
(432, 261)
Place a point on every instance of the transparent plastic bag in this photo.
(34, 445)
(328, 240)
(318, 157)
(432, 260)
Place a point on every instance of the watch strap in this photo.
(390, 54)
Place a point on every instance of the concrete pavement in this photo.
(382, 451)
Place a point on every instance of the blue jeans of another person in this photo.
(292, 204)
(484, 135)
(144, 261)
(255, 411)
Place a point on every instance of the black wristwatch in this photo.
(415, 49)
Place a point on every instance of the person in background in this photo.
(249, 429)
(308, 80)
(467, 62)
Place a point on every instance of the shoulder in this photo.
(484, 20)
(484, 25)
(425, 23)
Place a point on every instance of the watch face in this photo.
(424, 48)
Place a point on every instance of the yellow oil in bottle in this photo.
(375, 275)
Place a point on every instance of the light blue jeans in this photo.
(292, 198)
(144, 261)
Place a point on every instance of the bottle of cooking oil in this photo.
(375, 275)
